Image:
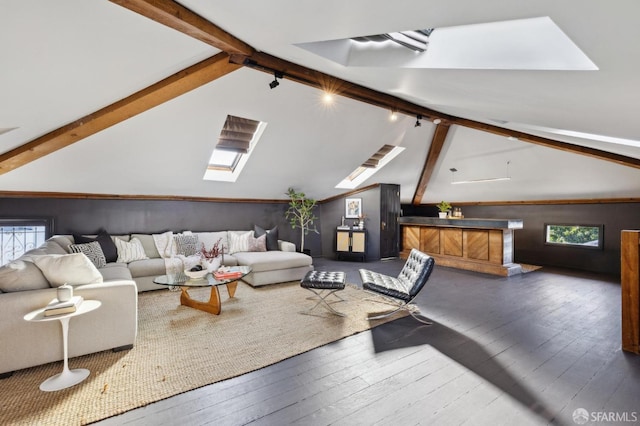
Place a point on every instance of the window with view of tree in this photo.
(588, 236)
(17, 236)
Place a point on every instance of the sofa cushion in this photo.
(108, 246)
(115, 271)
(130, 251)
(92, 250)
(272, 236)
(272, 260)
(21, 275)
(52, 247)
(149, 245)
(63, 241)
(74, 269)
(239, 241)
(149, 267)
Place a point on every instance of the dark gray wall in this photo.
(126, 216)
(529, 241)
(154, 216)
(331, 217)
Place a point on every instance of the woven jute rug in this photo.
(179, 349)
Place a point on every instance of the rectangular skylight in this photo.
(383, 156)
(237, 140)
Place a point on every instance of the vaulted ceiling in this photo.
(98, 98)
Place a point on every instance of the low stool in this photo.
(323, 284)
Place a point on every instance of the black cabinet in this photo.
(351, 243)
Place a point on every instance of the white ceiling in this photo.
(63, 60)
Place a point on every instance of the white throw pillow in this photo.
(239, 241)
(130, 251)
(74, 269)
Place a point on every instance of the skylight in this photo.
(376, 162)
(238, 138)
(521, 44)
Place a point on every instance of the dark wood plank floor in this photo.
(529, 349)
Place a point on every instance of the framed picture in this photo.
(353, 208)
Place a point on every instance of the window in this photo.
(236, 142)
(585, 236)
(18, 236)
(367, 169)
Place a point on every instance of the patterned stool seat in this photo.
(323, 284)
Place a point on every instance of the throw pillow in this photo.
(272, 236)
(258, 244)
(239, 241)
(21, 275)
(164, 244)
(73, 269)
(106, 242)
(93, 251)
(130, 251)
(186, 244)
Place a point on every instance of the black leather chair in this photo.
(401, 291)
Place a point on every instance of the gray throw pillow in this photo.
(93, 251)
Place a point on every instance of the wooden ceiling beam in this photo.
(178, 17)
(622, 160)
(437, 143)
(300, 74)
(154, 95)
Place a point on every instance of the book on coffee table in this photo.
(56, 307)
(227, 272)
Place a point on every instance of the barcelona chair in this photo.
(401, 291)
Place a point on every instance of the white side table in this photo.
(68, 377)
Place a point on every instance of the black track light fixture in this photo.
(418, 118)
(275, 83)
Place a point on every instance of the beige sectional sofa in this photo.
(24, 288)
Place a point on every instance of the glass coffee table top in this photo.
(213, 306)
(182, 280)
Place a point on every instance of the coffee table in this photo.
(213, 306)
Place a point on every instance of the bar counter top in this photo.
(462, 223)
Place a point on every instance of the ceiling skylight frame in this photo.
(230, 171)
(362, 172)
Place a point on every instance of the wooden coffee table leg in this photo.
(231, 288)
(212, 306)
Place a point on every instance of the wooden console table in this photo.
(482, 245)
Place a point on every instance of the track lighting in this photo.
(275, 83)
(437, 121)
(393, 116)
(418, 118)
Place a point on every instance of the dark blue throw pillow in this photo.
(106, 243)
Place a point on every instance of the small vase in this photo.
(442, 215)
(211, 265)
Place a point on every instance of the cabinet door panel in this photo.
(342, 241)
(430, 240)
(358, 242)
(451, 240)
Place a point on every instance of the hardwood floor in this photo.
(529, 349)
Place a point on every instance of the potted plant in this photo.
(300, 214)
(443, 208)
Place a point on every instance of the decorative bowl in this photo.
(195, 274)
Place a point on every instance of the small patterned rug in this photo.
(179, 349)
